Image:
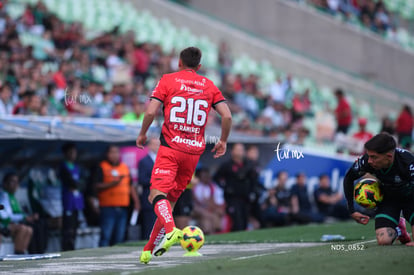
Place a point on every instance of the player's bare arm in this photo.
(149, 116)
(226, 120)
(103, 186)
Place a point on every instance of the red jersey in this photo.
(404, 123)
(343, 113)
(363, 136)
(187, 98)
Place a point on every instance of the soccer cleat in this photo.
(404, 237)
(145, 256)
(169, 239)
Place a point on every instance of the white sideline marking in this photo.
(364, 242)
(258, 255)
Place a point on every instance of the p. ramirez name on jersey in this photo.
(190, 142)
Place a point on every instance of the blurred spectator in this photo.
(276, 207)
(360, 138)
(114, 187)
(362, 134)
(145, 166)
(238, 179)
(302, 135)
(387, 125)
(45, 48)
(6, 105)
(283, 195)
(301, 206)
(34, 105)
(209, 207)
(277, 91)
(106, 107)
(137, 113)
(301, 105)
(92, 210)
(55, 105)
(72, 198)
(404, 127)
(21, 107)
(253, 156)
(59, 76)
(45, 197)
(382, 19)
(12, 217)
(119, 109)
(274, 117)
(76, 101)
(333, 6)
(142, 62)
(248, 102)
(330, 203)
(343, 113)
(94, 96)
(289, 136)
(224, 59)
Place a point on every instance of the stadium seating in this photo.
(402, 9)
(104, 15)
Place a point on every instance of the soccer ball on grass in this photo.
(192, 241)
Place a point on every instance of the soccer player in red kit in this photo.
(187, 99)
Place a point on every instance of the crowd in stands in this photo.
(111, 76)
(401, 128)
(372, 15)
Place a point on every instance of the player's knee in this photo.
(158, 198)
(154, 194)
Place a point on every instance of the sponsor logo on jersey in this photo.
(190, 81)
(159, 171)
(190, 142)
(190, 90)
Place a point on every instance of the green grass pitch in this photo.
(283, 250)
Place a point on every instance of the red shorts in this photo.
(173, 171)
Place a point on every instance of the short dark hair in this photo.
(109, 147)
(381, 143)
(190, 57)
(339, 92)
(323, 175)
(299, 174)
(8, 176)
(202, 170)
(281, 172)
(68, 146)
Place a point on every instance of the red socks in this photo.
(163, 211)
(156, 236)
(164, 223)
